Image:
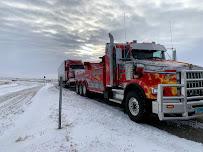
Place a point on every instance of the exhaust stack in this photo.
(174, 56)
(111, 45)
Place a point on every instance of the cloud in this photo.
(53, 30)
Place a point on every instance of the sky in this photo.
(37, 35)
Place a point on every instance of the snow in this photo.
(13, 87)
(2, 82)
(35, 129)
(99, 127)
(88, 125)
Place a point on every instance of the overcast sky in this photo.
(36, 35)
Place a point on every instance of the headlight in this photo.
(178, 77)
(154, 90)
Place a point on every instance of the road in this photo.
(13, 99)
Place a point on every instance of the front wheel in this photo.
(135, 107)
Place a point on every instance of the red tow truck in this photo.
(67, 71)
(139, 77)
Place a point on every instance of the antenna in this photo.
(124, 28)
(173, 49)
(171, 36)
(126, 51)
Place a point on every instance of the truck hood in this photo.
(162, 65)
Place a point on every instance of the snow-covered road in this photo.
(16, 86)
(88, 125)
(13, 98)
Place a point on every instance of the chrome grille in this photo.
(194, 82)
(194, 75)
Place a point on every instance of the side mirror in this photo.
(174, 55)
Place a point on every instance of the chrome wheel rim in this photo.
(76, 88)
(133, 106)
(80, 88)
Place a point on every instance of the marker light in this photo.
(170, 106)
(154, 90)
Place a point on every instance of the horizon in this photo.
(36, 36)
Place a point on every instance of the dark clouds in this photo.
(35, 36)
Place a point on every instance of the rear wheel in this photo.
(85, 91)
(68, 84)
(135, 107)
(80, 89)
(77, 88)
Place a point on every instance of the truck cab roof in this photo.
(147, 46)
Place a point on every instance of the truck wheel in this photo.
(80, 90)
(84, 89)
(135, 107)
(77, 88)
(68, 85)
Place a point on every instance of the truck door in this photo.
(118, 53)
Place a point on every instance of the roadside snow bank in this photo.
(35, 130)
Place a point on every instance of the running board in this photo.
(116, 101)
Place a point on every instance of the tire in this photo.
(135, 107)
(84, 89)
(80, 90)
(77, 88)
(67, 85)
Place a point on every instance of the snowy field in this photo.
(28, 123)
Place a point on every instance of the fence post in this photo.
(60, 103)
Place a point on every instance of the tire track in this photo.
(8, 96)
(13, 104)
(13, 100)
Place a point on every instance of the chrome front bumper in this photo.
(177, 107)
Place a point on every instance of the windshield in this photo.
(76, 66)
(148, 54)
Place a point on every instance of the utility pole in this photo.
(44, 80)
(60, 103)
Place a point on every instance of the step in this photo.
(116, 101)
